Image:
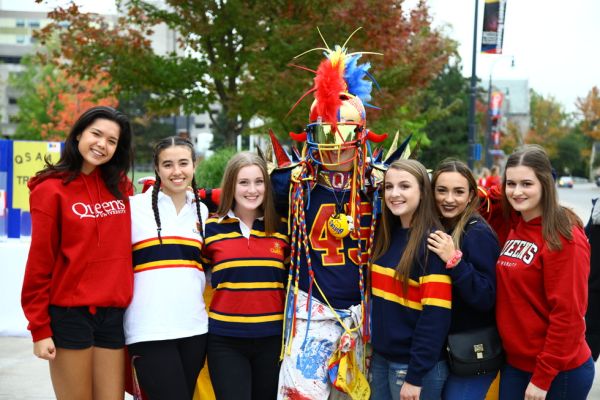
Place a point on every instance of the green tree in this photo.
(568, 160)
(512, 138)
(549, 123)
(236, 53)
(589, 107)
(36, 94)
(219, 130)
(51, 100)
(447, 99)
(551, 127)
(147, 129)
(210, 171)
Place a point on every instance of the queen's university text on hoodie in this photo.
(519, 249)
(98, 210)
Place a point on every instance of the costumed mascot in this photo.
(329, 192)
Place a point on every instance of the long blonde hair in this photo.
(423, 220)
(229, 181)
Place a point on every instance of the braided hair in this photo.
(163, 144)
(155, 190)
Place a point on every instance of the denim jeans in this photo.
(467, 387)
(573, 384)
(388, 377)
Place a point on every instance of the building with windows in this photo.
(16, 41)
(516, 103)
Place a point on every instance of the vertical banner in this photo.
(493, 26)
(496, 105)
(29, 158)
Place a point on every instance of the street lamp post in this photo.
(488, 135)
(473, 95)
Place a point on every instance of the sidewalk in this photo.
(24, 377)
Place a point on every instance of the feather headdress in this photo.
(338, 73)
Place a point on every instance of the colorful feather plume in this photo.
(329, 83)
(339, 72)
(354, 74)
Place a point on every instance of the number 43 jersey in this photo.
(335, 261)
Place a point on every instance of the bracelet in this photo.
(454, 260)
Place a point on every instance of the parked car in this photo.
(565, 181)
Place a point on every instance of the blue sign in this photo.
(477, 151)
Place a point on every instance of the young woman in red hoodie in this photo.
(542, 276)
(79, 278)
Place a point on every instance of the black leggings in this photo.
(169, 369)
(244, 368)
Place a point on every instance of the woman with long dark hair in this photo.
(78, 278)
(470, 245)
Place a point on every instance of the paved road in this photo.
(24, 377)
(579, 198)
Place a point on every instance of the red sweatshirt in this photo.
(541, 302)
(80, 252)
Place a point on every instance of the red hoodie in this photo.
(541, 301)
(80, 252)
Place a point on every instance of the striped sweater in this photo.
(410, 328)
(248, 275)
(168, 278)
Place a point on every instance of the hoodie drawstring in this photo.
(92, 204)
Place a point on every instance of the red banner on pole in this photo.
(493, 26)
(496, 104)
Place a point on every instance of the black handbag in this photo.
(475, 352)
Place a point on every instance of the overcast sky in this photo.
(554, 42)
(99, 6)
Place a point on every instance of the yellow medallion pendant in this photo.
(340, 225)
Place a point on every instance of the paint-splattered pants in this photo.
(304, 373)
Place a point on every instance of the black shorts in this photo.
(77, 328)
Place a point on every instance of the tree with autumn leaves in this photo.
(237, 54)
(549, 123)
(589, 107)
(52, 100)
(566, 137)
(81, 95)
